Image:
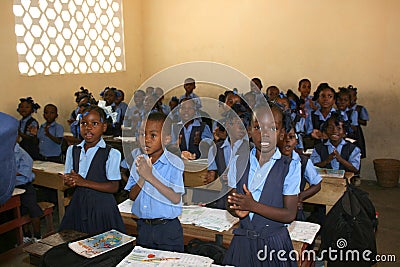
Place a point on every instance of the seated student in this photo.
(265, 198)
(305, 90)
(28, 127)
(190, 131)
(308, 173)
(272, 93)
(109, 95)
(50, 135)
(173, 107)
(120, 104)
(255, 89)
(92, 168)
(189, 85)
(326, 100)
(135, 110)
(159, 92)
(236, 124)
(156, 187)
(81, 97)
(24, 179)
(336, 153)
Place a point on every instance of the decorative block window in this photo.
(69, 36)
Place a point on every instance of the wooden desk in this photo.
(331, 190)
(16, 222)
(46, 175)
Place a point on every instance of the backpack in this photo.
(213, 250)
(350, 230)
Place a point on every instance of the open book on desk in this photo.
(303, 231)
(331, 173)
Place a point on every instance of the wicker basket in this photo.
(387, 172)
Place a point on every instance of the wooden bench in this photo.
(37, 250)
(47, 209)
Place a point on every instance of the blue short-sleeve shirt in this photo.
(48, 147)
(24, 165)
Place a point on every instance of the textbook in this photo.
(303, 231)
(330, 173)
(101, 243)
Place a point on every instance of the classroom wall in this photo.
(59, 89)
(340, 42)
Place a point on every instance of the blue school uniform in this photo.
(24, 181)
(268, 184)
(347, 150)
(29, 145)
(316, 120)
(188, 135)
(193, 96)
(47, 147)
(8, 135)
(363, 115)
(123, 107)
(159, 226)
(91, 211)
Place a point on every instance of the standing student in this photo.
(50, 135)
(266, 195)
(336, 153)
(308, 172)
(190, 131)
(156, 187)
(305, 90)
(189, 85)
(28, 126)
(92, 168)
(109, 95)
(272, 93)
(29, 205)
(120, 104)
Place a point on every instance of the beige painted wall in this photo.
(59, 89)
(340, 42)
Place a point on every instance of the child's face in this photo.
(25, 109)
(232, 99)
(109, 97)
(284, 103)
(353, 97)
(305, 89)
(335, 132)
(119, 99)
(148, 103)
(273, 94)
(92, 128)
(138, 98)
(326, 98)
(50, 114)
(189, 87)
(173, 104)
(288, 143)
(235, 128)
(266, 130)
(343, 102)
(187, 110)
(150, 138)
(255, 86)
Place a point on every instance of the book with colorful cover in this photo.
(101, 243)
(330, 173)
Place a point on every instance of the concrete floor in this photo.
(386, 201)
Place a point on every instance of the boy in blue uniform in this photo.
(156, 187)
(266, 195)
(50, 135)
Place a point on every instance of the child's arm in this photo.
(324, 162)
(144, 168)
(74, 179)
(53, 138)
(348, 165)
(135, 190)
(312, 190)
(246, 203)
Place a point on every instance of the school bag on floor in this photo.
(350, 230)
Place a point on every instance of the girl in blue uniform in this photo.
(265, 198)
(93, 169)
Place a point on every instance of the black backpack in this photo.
(213, 250)
(350, 230)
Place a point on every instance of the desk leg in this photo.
(328, 208)
(61, 208)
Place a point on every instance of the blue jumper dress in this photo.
(260, 233)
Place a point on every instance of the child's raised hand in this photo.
(337, 155)
(188, 155)
(46, 130)
(241, 202)
(144, 167)
(317, 134)
(32, 130)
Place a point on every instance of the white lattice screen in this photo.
(69, 36)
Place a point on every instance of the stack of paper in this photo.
(303, 231)
(101, 243)
(150, 257)
(330, 173)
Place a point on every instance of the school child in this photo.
(174, 114)
(326, 100)
(250, 99)
(265, 198)
(336, 153)
(305, 90)
(159, 92)
(363, 118)
(135, 110)
(255, 88)
(189, 85)
(50, 135)
(24, 178)
(28, 127)
(109, 95)
(272, 93)
(343, 103)
(156, 187)
(308, 172)
(190, 131)
(120, 104)
(149, 90)
(81, 97)
(92, 168)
